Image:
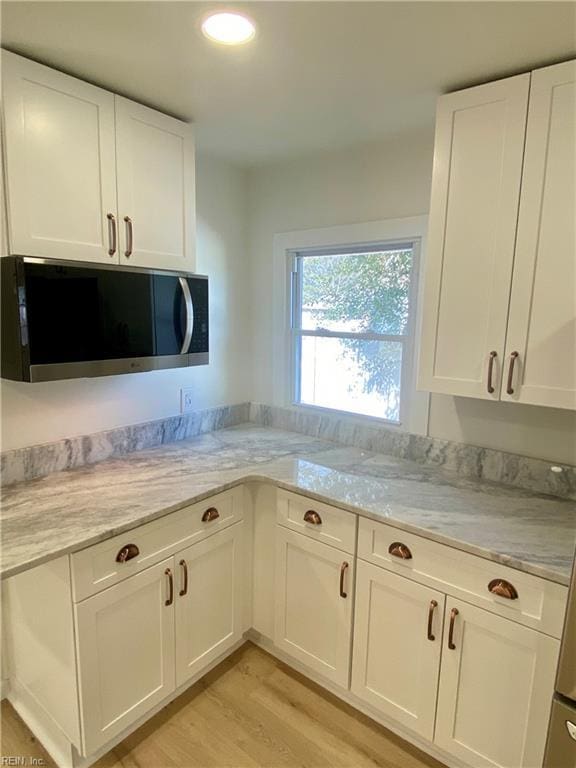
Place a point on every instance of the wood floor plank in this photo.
(252, 711)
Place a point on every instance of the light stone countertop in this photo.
(68, 511)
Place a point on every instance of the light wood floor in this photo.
(250, 711)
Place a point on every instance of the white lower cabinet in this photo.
(397, 646)
(125, 640)
(209, 602)
(495, 689)
(314, 604)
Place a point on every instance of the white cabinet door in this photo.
(542, 323)
(397, 645)
(60, 163)
(473, 215)
(314, 602)
(210, 600)
(496, 688)
(125, 639)
(156, 204)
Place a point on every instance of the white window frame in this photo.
(349, 238)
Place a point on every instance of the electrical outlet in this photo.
(186, 400)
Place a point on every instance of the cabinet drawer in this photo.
(97, 567)
(318, 521)
(540, 604)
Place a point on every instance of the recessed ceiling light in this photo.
(228, 28)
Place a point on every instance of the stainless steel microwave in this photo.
(63, 319)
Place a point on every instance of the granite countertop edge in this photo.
(540, 571)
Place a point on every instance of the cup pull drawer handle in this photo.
(397, 549)
(343, 568)
(453, 613)
(503, 588)
(210, 514)
(312, 517)
(431, 609)
(127, 553)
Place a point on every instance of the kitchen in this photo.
(288, 383)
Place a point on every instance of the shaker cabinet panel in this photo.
(60, 165)
(496, 689)
(156, 203)
(542, 322)
(397, 645)
(314, 597)
(125, 640)
(475, 192)
(210, 600)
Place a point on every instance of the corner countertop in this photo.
(68, 511)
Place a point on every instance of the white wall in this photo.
(38, 413)
(388, 180)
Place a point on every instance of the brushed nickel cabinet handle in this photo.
(491, 359)
(210, 514)
(397, 549)
(509, 387)
(127, 552)
(129, 237)
(312, 517)
(453, 613)
(503, 588)
(170, 599)
(111, 234)
(184, 567)
(343, 568)
(431, 609)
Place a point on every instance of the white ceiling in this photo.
(319, 75)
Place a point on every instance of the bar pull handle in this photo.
(489, 385)
(184, 567)
(312, 517)
(397, 549)
(343, 568)
(170, 599)
(129, 236)
(210, 514)
(127, 552)
(189, 315)
(431, 609)
(111, 234)
(503, 588)
(509, 387)
(453, 613)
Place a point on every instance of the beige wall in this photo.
(369, 183)
(37, 413)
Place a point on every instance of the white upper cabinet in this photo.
(60, 163)
(475, 193)
(500, 295)
(542, 322)
(156, 203)
(91, 176)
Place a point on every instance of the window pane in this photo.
(352, 375)
(357, 292)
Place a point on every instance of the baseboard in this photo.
(52, 738)
(344, 695)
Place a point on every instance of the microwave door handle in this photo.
(189, 315)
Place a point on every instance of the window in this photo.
(353, 329)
